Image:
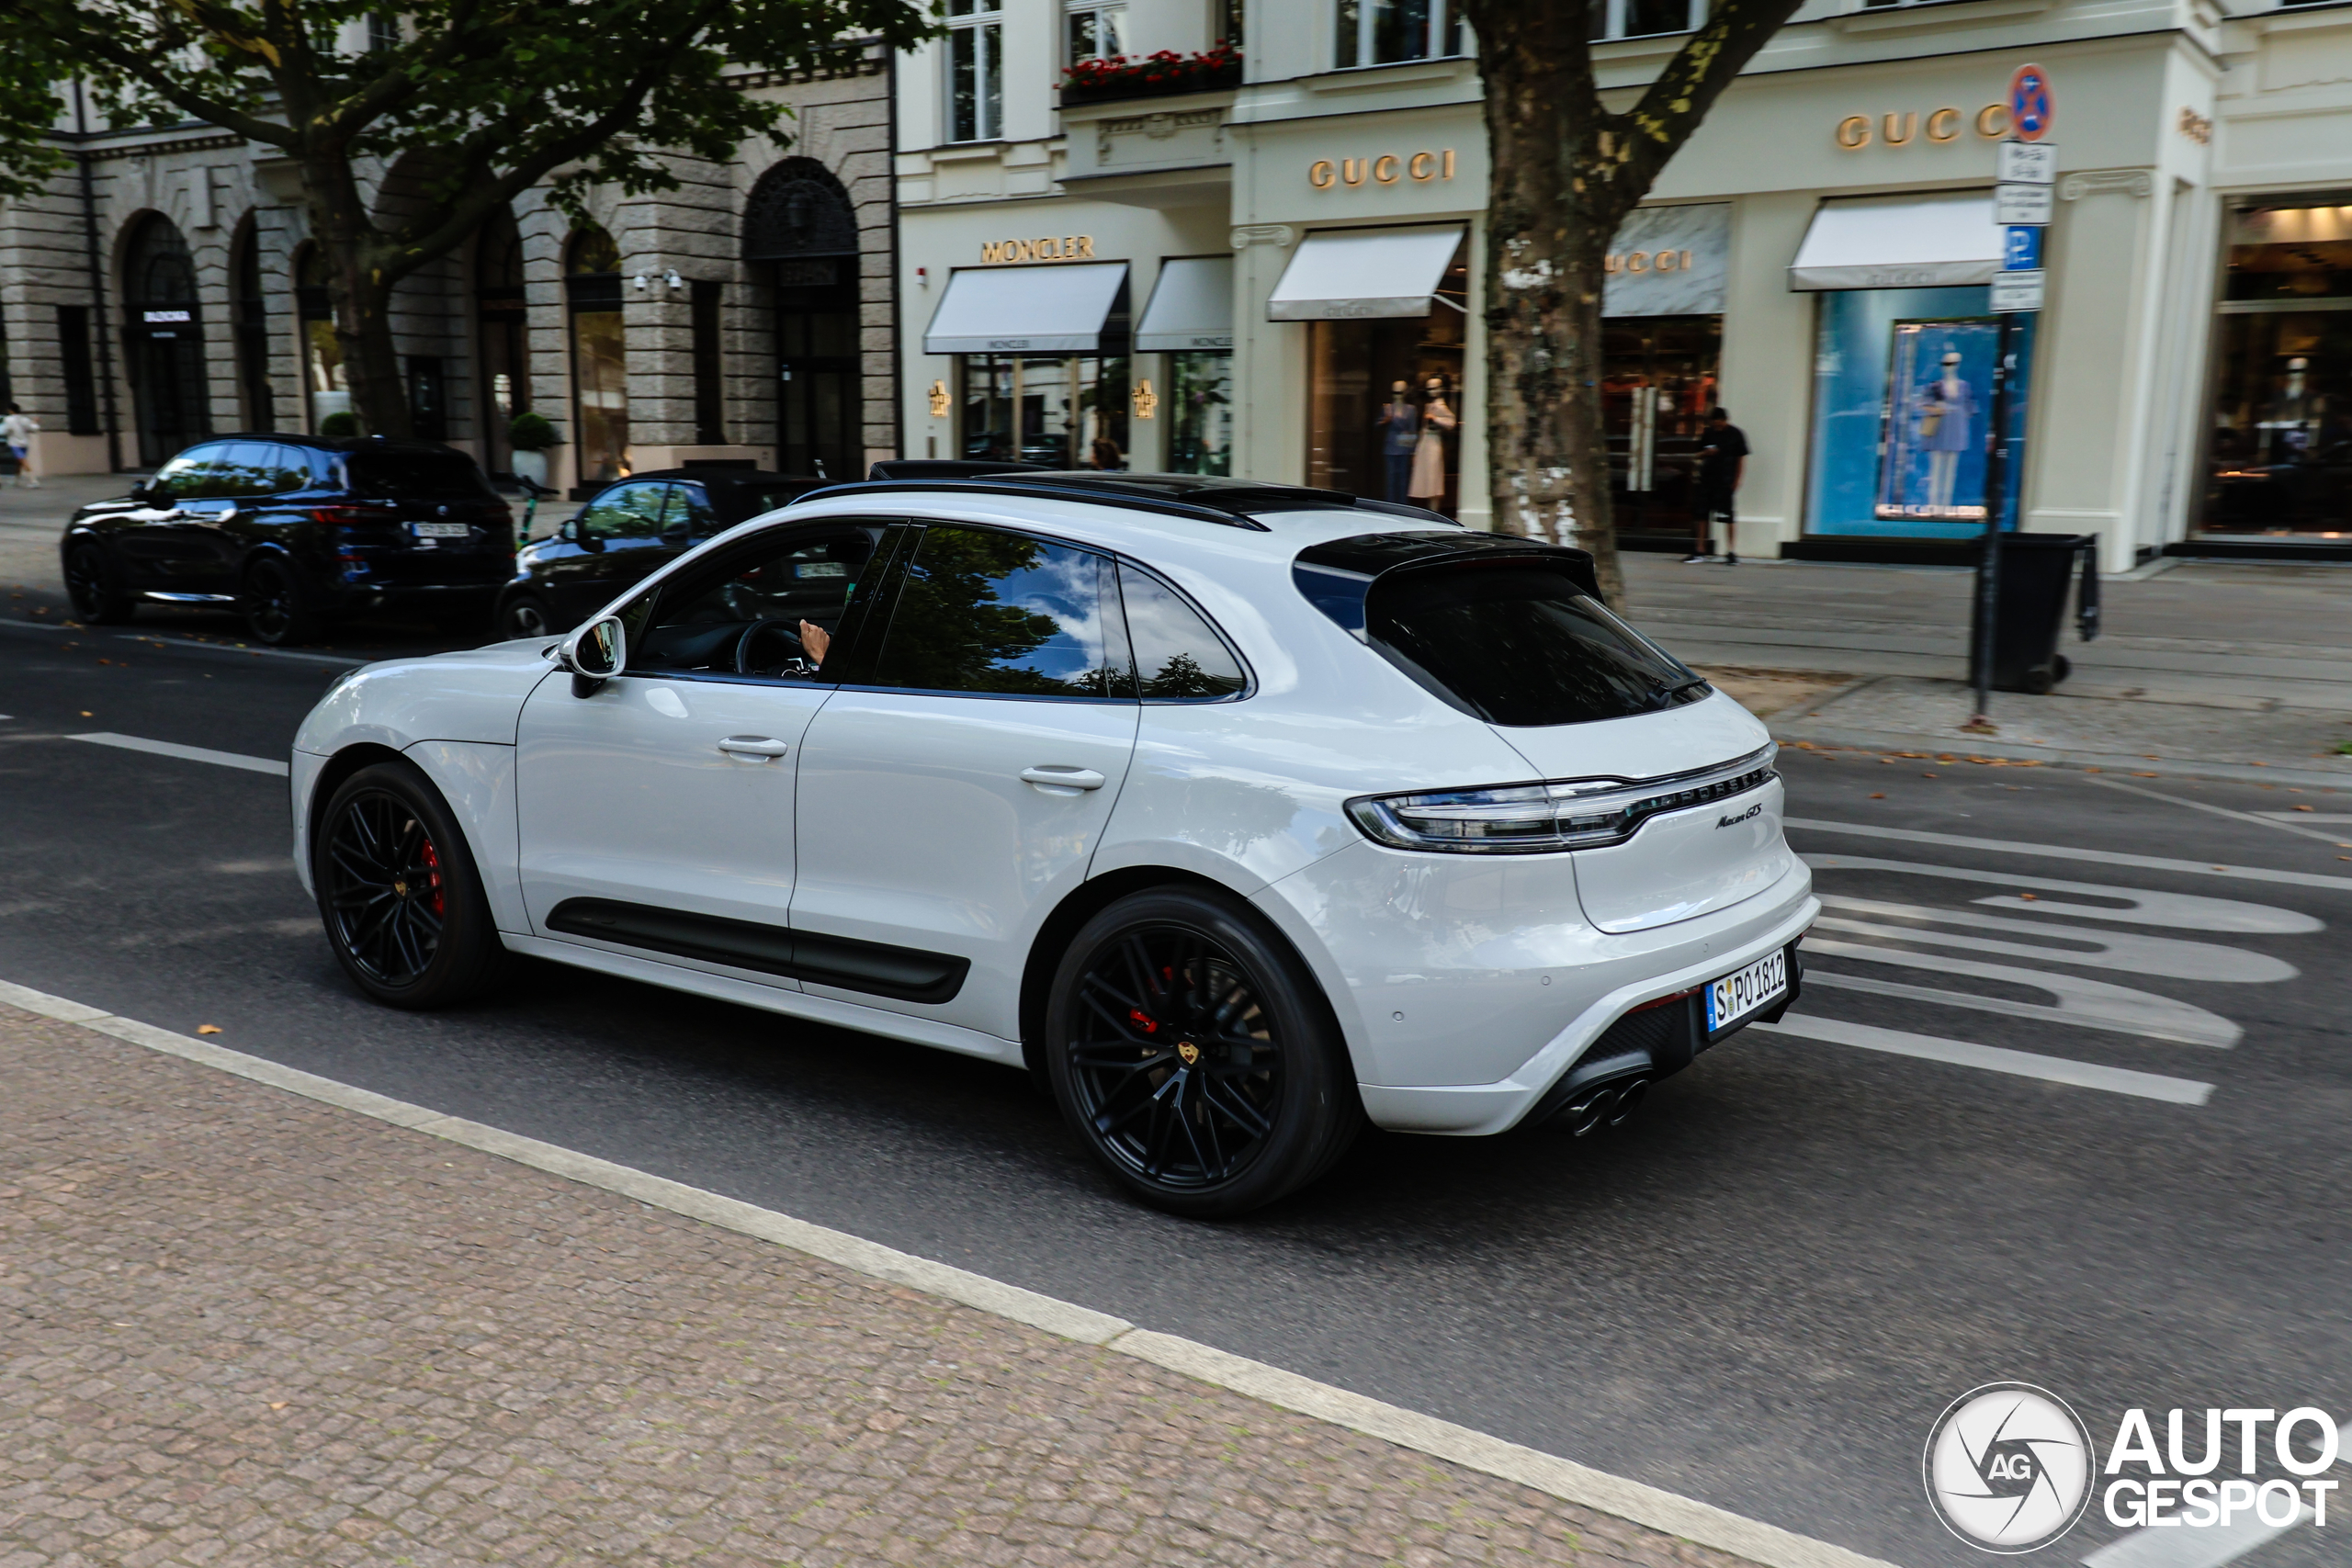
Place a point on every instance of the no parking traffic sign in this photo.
(2032, 105)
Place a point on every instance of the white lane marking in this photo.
(2260, 820)
(2067, 851)
(2307, 815)
(187, 753)
(1489, 1455)
(1992, 1058)
(2085, 1003)
(2174, 912)
(2180, 1547)
(2128, 951)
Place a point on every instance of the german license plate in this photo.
(1743, 991)
(441, 530)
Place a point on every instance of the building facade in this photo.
(1816, 260)
(163, 289)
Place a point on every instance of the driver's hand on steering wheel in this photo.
(816, 640)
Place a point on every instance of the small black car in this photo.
(294, 531)
(627, 530)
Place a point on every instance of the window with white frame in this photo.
(1094, 30)
(1645, 18)
(975, 70)
(1384, 32)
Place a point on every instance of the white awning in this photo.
(1191, 309)
(1026, 309)
(1348, 274)
(1902, 241)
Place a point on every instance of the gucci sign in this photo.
(1389, 169)
(1941, 127)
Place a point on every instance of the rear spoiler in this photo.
(1338, 575)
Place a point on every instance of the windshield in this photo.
(416, 476)
(1518, 643)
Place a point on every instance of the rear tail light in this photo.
(1550, 816)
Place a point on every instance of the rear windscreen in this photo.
(740, 503)
(1518, 643)
(416, 476)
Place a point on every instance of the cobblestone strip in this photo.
(239, 1326)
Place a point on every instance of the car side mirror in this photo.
(594, 654)
(150, 494)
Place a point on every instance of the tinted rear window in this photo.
(416, 476)
(740, 503)
(1518, 643)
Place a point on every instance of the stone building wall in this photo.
(212, 187)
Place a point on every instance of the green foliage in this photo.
(531, 432)
(343, 421)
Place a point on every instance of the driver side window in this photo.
(749, 612)
(628, 512)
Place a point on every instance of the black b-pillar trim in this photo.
(902, 973)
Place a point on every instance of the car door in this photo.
(238, 478)
(957, 784)
(162, 550)
(656, 812)
(616, 540)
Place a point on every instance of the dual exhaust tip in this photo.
(1609, 1104)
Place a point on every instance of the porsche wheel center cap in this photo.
(1189, 1052)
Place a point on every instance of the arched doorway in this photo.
(591, 287)
(249, 318)
(164, 340)
(800, 228)
(505, 347)
(326, 387)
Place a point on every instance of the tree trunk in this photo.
(360, 293)
(1549, 224)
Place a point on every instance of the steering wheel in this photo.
(788, 630)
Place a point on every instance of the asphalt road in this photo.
(1760, 1293)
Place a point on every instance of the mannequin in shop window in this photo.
(1400, 436)
(1438, 421)
(1947, 409)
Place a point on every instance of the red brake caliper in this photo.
(433, 862)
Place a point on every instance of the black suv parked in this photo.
(293, 530)
(626, 531)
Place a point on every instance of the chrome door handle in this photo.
(1051, 777)
(753, 746)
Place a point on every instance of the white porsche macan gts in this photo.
(1239, 814)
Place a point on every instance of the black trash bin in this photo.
(2036, 570)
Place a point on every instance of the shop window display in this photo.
(1065, 412)
(1199, 414)
(1902, 415)
(1659, 381)
(599, 356)
(1385, 409)
(2280, 454)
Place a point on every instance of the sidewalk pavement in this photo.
(2202, 668)
(238, 1326)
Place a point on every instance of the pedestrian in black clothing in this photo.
(1722, 461)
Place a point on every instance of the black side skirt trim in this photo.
(902, 973)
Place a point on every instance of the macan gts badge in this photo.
(1238, 815)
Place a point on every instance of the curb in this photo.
(2058, 757)
(1686, 1518)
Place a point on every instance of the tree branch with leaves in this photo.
(494, 96)
(1566, 170)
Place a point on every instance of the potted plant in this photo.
(343, 421)
(1114, 76)
(530, 435)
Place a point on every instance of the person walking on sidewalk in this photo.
(1723, 462)
(17, 431)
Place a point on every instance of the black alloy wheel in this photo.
(402, 903)
(1194, 1055)
(278, 610)
(90, 583)
(525, 615)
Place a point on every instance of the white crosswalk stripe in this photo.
(2040, 941)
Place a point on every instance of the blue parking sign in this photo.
(2020, 248)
